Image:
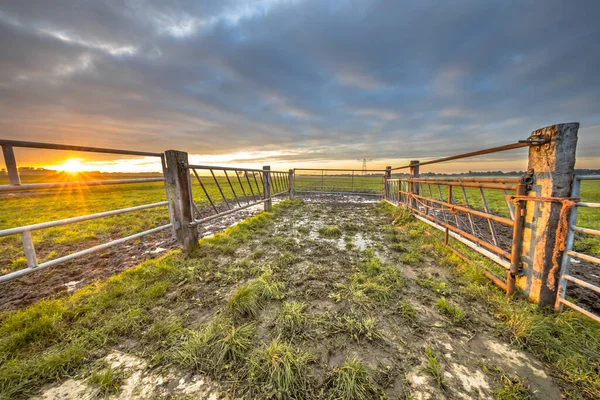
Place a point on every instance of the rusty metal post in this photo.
(414, 174)
(267, 187)
(517, 241)
(552, 167)
(291, 183)
(11, 164)
(181, 191)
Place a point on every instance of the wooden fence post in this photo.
(267, 187)
(291, 183)
(386, 187)
(180, 190)
(546, 223)
(414, 174)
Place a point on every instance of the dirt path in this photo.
(370, 295)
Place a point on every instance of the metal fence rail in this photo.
(226, 190)
(25, 231)
(338, 181)
(569, 254)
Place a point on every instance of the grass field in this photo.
(28, 208)
(301, 303)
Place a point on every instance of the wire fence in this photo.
(338, 181)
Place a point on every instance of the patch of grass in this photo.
(432, 284)
(512, 389)
(355, 327)
(292, 319)
(413, 257)
(108, 381)
(351, 381)
(456, 314)
(407, 312)
(250, 298)
(278, 371)
(433, 368)
(216, 347)
(304, 230)
(330, 232)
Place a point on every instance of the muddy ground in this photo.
(318, 266)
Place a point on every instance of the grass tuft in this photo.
(108, 381)
(216, 347)
(351, 381)
(433, 368)
(292, 319)
(456, 314)
(278, 371)
(330, 232)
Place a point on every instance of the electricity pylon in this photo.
(364, 164)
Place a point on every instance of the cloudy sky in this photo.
(298, 82)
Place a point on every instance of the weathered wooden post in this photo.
(414, 174)
(267, 187)
(552, 167)
(386, 186)
(291, 183)
(180, 191)
(11, 164)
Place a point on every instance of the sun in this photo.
(72, 166)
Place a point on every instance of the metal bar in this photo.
(584, 257)
(442, 201)
(225, 168)
(348, 193)
(72, 256)
(29, 249)
(203, 220)
(490, 222)
(511, 209)
(250, 185)
(587, 177)
(50, 185)
(478, 180)
(565, 263)
(582, 283)
(517, 241)
(232, 190)
(260, 174)
(493, 217)
(205, 191)
(492, 256)
(464, 192)
(470, 154)
(191, 194)
(467, 235)
(334, 187)
(220, 190)
(51, 146)
(498, 186)
(257, 185)
(588, 231)
(451, 202)
(60, 222)
(11, 164)
(588, 205)
(581, 310)
(242, 186)
(337, 169)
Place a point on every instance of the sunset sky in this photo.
(296, 83)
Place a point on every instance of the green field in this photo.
(26, 208)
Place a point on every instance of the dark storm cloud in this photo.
(335, 79)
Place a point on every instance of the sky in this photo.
(297, 83)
